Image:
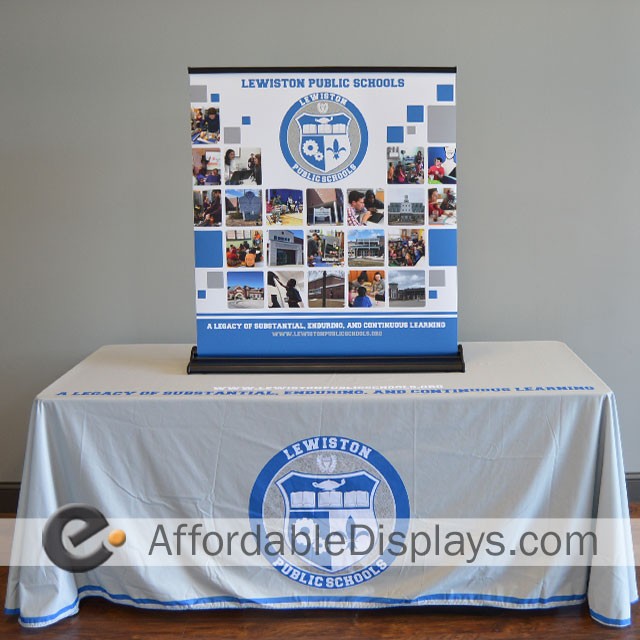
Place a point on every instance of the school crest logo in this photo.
(323, 137)
(323, 504)
(328, 497)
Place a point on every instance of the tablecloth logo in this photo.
(323, 137)
(327, 495)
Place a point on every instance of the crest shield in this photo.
(316, 505)
(324, 140)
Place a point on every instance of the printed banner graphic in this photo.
(325, 211)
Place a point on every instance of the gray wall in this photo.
(95, 237)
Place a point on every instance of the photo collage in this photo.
(321, 247)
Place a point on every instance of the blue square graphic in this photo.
(215, 97)
(246, 119)
(202, 294)
(445, 93)
(208, 249)
(443, 247)
(395, 134)
(415, 113)
(433, 295)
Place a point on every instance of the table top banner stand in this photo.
(325, 219)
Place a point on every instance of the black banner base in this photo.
(453, 363)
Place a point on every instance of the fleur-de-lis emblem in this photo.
(336, 149)
(323, 107)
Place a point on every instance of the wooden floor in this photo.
(102, 620)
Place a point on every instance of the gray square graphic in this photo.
(232, 135)
(436, 278)
(215, 280)
(411, 130)
(198, 92)
(441, 124)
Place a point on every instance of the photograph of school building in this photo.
(407, 211)
(406, 289)
(326, 288)
(245, 290)
(366, 247)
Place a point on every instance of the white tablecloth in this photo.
(529, 431)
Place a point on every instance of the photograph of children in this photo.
(325, 248)
(205, 125)
(442, 205)
(242, 166)
(367, 289)
(284, 207)
(442, 165)
(285, 247)
(406, 206)
(206, 167)
(243, 207)
(285, 289)
(407, 248)
(406, 288)
(207, 208)
(405, 165)
(365, 207)
(326, 288)
(324, 206)
(244, 248)
(245, 290)
(365, 247)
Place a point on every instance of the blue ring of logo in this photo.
(378, 461)
(284, 142)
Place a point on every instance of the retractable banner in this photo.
(325, 211)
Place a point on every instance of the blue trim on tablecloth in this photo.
(611, 622)
(450, 597)
(42, 620)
